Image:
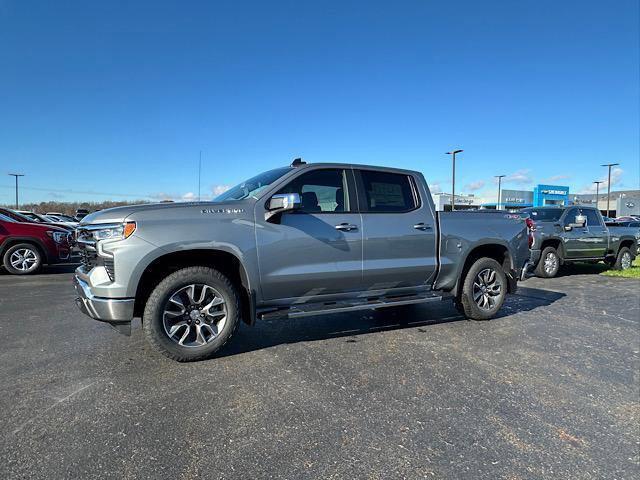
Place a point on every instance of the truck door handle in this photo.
(346, 227)
(422, 226)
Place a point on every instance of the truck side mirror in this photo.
(282, 202)
(568, 228)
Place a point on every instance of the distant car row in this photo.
(26, 245)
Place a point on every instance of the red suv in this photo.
(25, 247)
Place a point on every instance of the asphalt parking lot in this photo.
(550, 389)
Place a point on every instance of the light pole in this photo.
(16, 175)
(499, 177)
(597, 192)
(609, 183)
(453, 179)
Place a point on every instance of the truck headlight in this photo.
(114, 232)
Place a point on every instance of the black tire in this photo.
(153, 323)
(469, 306)
(543, 271)
(34, 258)
(624, 254)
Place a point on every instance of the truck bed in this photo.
(464, 231)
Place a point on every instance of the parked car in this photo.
(30, 217)
(81, 213)
(578, 234)
(292, 242)
(633, 224)
(627, 218)
(25, 247)
(62, 219)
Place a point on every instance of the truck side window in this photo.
(321, 191)
(592, 218)
(387, 192)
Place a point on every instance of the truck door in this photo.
(598, 234)
(316, 249)
(584, 242)
(399, 243)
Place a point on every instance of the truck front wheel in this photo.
(191, 314)
(484, 290)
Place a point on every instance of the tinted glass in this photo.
(544, 214)
(321, 191)
(592, 217)
(387, 192)
(253, 186)
(571, 216)
(4, 218)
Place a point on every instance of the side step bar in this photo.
(307, 310)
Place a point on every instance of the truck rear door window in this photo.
(386, 192)
(592, 218)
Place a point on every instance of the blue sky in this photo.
(114, 100)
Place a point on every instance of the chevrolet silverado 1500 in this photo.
(291, 242)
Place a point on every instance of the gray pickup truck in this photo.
(578, 234)
(295, 241)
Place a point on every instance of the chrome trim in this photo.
(103, 309)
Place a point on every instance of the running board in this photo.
(307, 310)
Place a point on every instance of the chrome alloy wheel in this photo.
(550, 263)
(24, 260)
(194, 315)
(625, 261)
(486, 287)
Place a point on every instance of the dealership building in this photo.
(622, 203)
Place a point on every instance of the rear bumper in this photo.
(530, 265)
(112, 310)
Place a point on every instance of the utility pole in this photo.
(597, 192)
(199, 173)
(499, 177)
(17, 175)
(609, 183)
(453, 179)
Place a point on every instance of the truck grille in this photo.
(89, 256)
(110, 268)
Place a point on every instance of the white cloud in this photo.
(473, 186)
(522, 177)
(557, 178)
(616, 179)
(435, 188)
(219, 189)
(189, 197)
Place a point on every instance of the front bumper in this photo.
(117, 311)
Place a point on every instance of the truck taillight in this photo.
(531, 225)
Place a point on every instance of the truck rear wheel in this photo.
(484, 290)
(624, 259)
(549, 263)
(191, 314)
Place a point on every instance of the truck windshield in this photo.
(544, 214)
(253, 186)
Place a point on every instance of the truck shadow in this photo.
(266, 334)
(582, 269)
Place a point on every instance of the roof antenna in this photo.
(297, 162)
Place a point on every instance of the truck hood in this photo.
(170, 210)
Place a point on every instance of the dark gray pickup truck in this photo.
(291, 242)
(578, 234)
